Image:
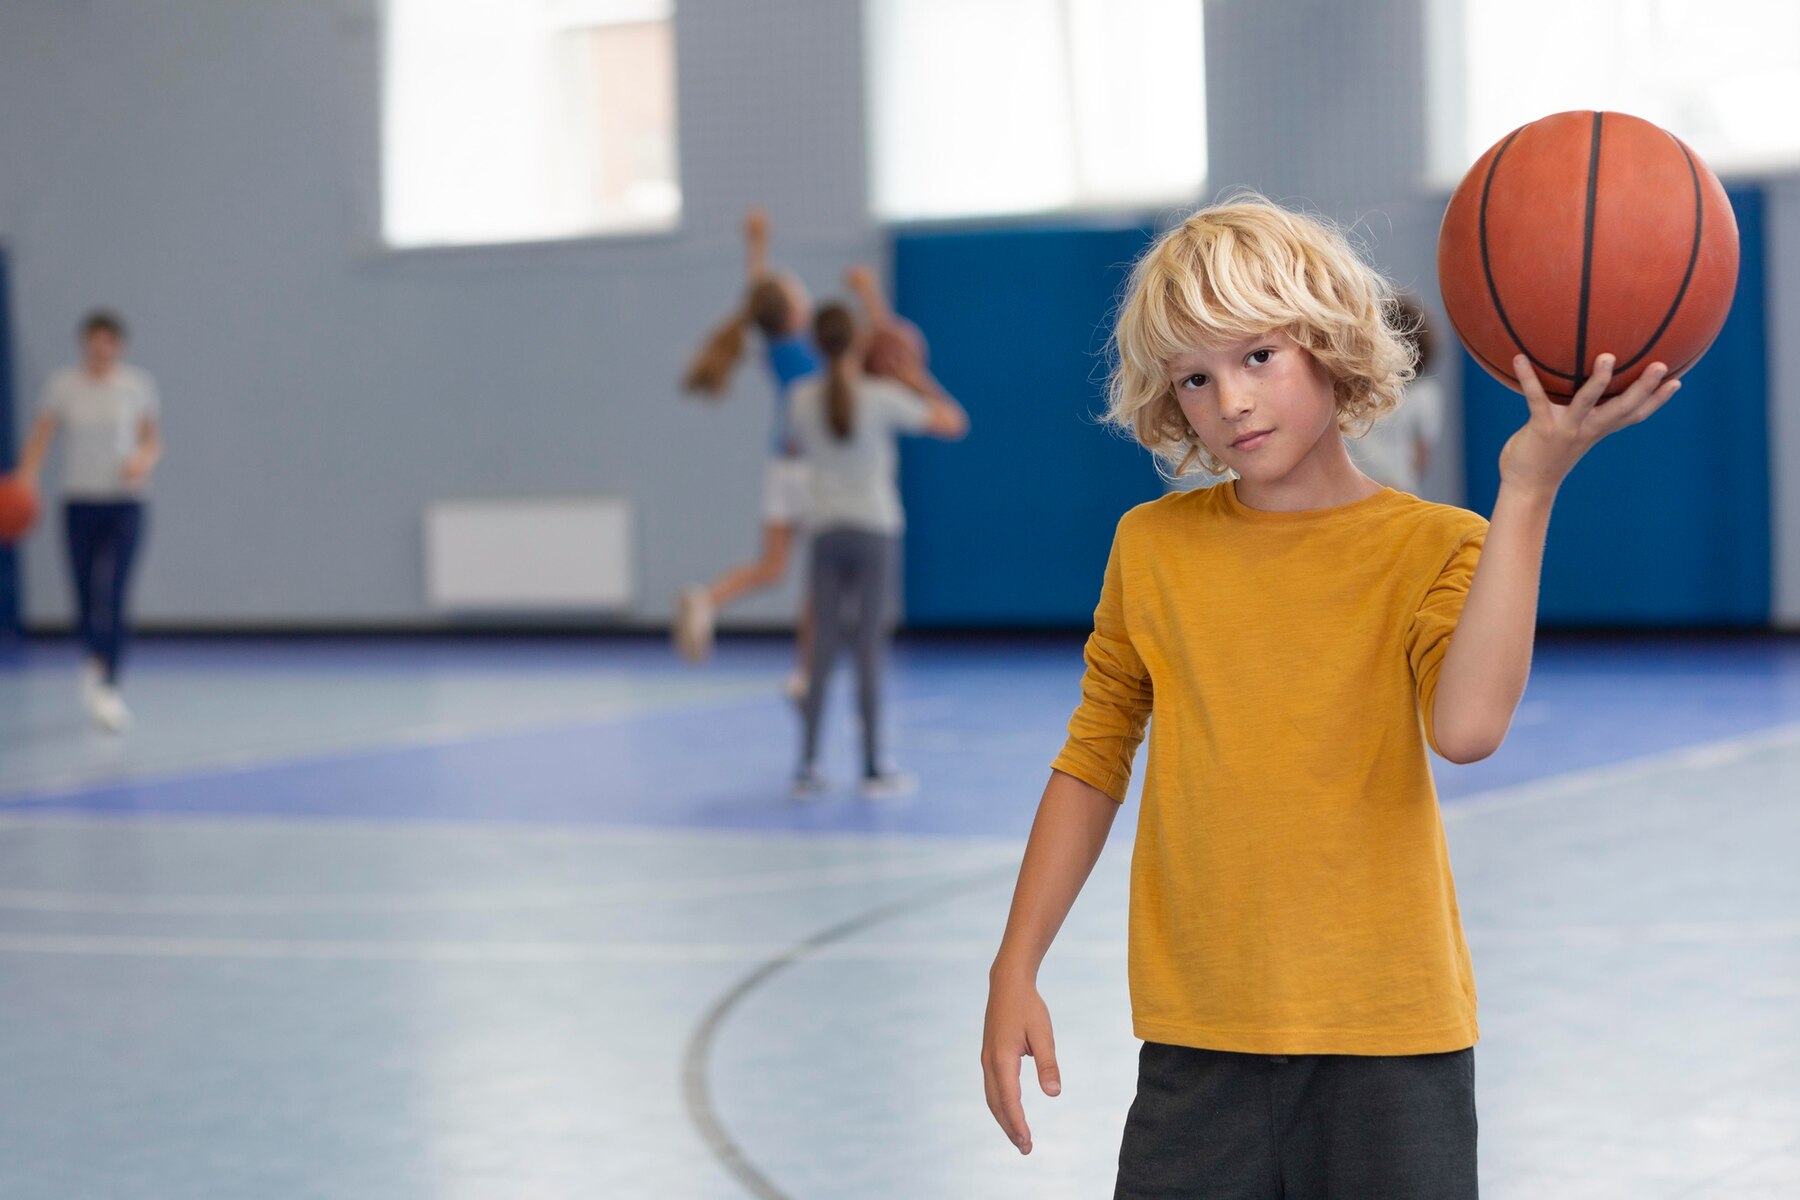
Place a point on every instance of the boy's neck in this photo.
(1326, 478)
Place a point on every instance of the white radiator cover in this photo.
(525, 556)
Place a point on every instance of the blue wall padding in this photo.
(1666, 523)
(9, 559)
(1011, 526)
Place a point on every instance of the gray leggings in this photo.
(852, 591)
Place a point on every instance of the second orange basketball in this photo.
(1587, 233)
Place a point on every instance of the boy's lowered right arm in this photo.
(1072, 824)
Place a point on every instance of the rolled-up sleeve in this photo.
(1428, 636)
(1109, 723)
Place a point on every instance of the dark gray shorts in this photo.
(1209, 1125)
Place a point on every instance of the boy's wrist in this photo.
(1010, 967)
(1536, 494)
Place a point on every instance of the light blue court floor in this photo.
(535, 919)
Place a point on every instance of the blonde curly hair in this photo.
(1236, 270)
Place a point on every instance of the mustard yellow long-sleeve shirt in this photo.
(1290, 886)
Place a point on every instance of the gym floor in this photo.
(537, 918)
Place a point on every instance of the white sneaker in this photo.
(109, 710)
(795, 686)
(889, 785)
(694, 624)
(93, 678)
(809, 784)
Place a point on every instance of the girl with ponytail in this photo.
(846, 424)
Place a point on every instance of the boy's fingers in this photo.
(1004, 1103)
(1658, 398)
(1589, 393)
(1043, 1054)
(1535, 399)
(1652, 385)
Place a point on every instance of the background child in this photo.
(1298, 969)
(776, 304)
(846, 424)
(1398, 450)
(109, 412)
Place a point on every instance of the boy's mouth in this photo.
(1252, 440)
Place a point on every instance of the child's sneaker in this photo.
(809, 784)
(109, 710)
(889, 785)
(694, 624)
(93, 678)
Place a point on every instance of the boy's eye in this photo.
(1261, 356)
(1194, 381)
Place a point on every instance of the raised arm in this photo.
(756, 244)
(1489, 658)
(946, 420)
(862, 281)
(1073, 820)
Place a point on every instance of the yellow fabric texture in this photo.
(1290, 885)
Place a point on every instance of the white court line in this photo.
(1704, 756)
(486, 830)
(1700, 757)
(491, 900)
(968, 950)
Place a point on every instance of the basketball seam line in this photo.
(1587, 254)
(1487, 268)
(1693, 261)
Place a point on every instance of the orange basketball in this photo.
(18, 508)
(892, 345)
(1588, 233)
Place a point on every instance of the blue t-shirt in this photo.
(791, 359)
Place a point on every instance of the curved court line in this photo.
(695, 1087)
(249, 904)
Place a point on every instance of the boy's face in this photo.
(100, 349)
(1261, 405)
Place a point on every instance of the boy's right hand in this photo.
(1018, 1024)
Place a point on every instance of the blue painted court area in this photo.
(536, 918)
(615, 732)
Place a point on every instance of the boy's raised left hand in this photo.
(1540, 456)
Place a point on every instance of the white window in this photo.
(980, 107)
(1722, 75)
(523, 120)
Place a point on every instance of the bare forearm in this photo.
(37, 446)
(1073, 820)
(1489, 659)
(874, 304)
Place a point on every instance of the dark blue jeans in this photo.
(103, 542)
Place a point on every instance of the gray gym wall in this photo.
(209, 167)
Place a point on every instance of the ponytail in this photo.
(840, 400)
(768, 306)
(709, 374)
(834, 329)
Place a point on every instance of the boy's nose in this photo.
(1233, 403)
